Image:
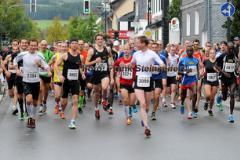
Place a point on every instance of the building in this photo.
(202, 19)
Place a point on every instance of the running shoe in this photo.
(210, 112)
(29, 123)
(25, 115)
(80, 110)
(43, 109)
(134, 109)
(120, 102)
(147, 132)
(189, 115)
(173, 106)
(205, 106)
(56, 109)
(130, 111)
(72, 125)
(153, 116)
(219, 100)
(97, 114)
(15, 112)
(221, 107)
(21, 116)
(110, 111)
(231, 118)
(182, 109)
(129, 121)
(137, 103)
(194, 115)
(62, 115)
(33, 124)
(165, 105)
(105, 105)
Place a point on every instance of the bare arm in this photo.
(89, 56)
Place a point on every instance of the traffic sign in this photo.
(227, 9)
(148, 34)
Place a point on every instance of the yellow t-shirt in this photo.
(55, 77)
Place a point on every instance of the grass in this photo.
(44, 24)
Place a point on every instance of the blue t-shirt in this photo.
(162, 74)
(189, 63)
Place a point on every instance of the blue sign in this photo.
(227, 9)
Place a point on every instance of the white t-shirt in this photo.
(145, 60)
(30, 69)
(172, 65)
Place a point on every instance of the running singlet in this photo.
(71, 67)
(192, 77)
(228, 63)
(211, 75)
(55, 76)
(172, 65)
(30, 69)
(48, 56)
(101, 68)
(10, 66)
(127, 75)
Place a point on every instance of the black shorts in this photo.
(32, 88)
(19, 84)
(228, 82)
(70, 87)
(127, 87)
(11, 80)
(146, 89)
(171, 80)
(215, 83)
(45, 79)
(157, 83)
(97, 78)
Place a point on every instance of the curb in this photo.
(2, 91)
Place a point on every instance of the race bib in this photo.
(193, 72)
(143, 81)
(127, 74)
(32, 75)
(72, 74)
(229, 67)
(211, 77)
(101, 67)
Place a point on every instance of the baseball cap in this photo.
(115, 43)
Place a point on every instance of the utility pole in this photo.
(228, 27)
(149, 12)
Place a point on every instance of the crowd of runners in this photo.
(142, 73)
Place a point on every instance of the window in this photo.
(188, 25)
(196, 23)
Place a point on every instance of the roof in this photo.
(128, 17)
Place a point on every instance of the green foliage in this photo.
(84, 29)
(56, 31)
(174, 10)
(13, 21)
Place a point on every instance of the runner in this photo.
(188, 68)
(19, 83)
(210, 81)
(172, 74)
(45, 78)
(99, 58)
(10, 73)
(228, 65)
(70, 77)
(127, 76)
(32, 61)
(157, 81)
(144, 58)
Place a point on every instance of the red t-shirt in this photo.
(127, 75)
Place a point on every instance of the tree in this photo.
(174, 10)
(13, 21)
(84, 29)
(56, 31)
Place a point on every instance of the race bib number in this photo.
(32, 75)
(127, 74)
(101, 67)
(193, 72)
(230, 67)
(211, 77)
(72, 74)
(143, 82)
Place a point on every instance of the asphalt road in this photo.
(173, 137)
